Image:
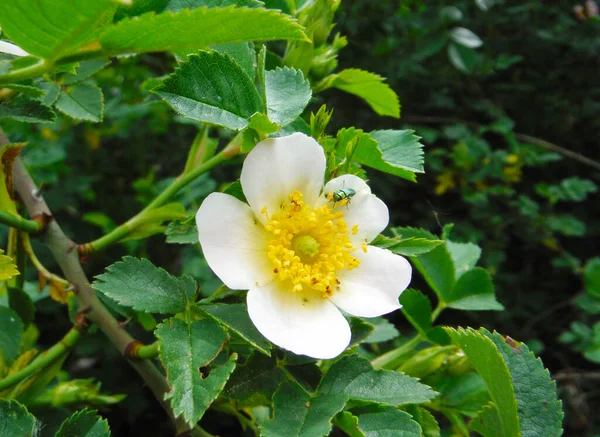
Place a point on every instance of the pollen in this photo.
(309, 246)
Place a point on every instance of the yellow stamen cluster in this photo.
(309, 245)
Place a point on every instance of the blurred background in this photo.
(506, 98)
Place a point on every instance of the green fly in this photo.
(343, 195)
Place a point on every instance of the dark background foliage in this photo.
(535, 74)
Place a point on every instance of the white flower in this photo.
(301, 256)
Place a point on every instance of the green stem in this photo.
(130, 225)
(20, 223)
(32, 71)
(46, 358)
(391, 359)
(438, 309)
(139, 351)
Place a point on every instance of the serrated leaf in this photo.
(10, 335)
(184, 349)
(138, 284)
(416, 307)
(261, 123)
(28, 90)
(298, 414)
(540, 412)
(25, 109)
(368, 86)
(8, 268)
(355, 376)
(255, 382)
(82, 101)
(474, 291)
(384, 331)
(288, 93)
(426, 420)
(178, 5)
(182, 231)
(212, 87)
(464, 256)
(243, 53)
(489, 363)
(16, 421)
(84, 423)
(348, 423)
(84, 70)
(51, 29)
(438, 270)
(388, 422)
(235, 318)
(196, 29)
(361, 331)
(411, 246)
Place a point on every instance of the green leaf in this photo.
(384, 331)
(85, 70)
(84, 423)
(361, 331)
(28, 90)
(567, 225)
(416, 307)
(261, 123)
(298, 414)
(388, 422)
(401, 153)
(22, 108)
(10, 335)
(182, 231)
(255, 382)
(463, 58)
(426, 420)
(22, 304)
(540, 412)
(474, 291)
(201, 89)
(242, 52)
(8, 268)
(355, 376)
(368, 86)
(184, 349)
(235, 318)
(51, 29)
(82, 101)
(464, 256)
(178, 5)
(196, 29)
(16, 421)
(465, 37)
(438, 270)
(411, 246)
(288, 93)
(591, 275)
(235, 189)
(348, 423)
(489, 363)
(138, 284)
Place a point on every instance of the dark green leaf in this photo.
(184, 349)
(212, 87)
(10, 335)
(28, 90)
(591, 274)
(288, 93)
(474, 291)
(196, 29)
(82, 101)
(51, 29)
(355, 376)
(255, 382)
(22, 108)
(84, 423)
(243, 53)
(85, 70)
(438, 270)
(298, 414)
(22, 304)
(235, 318)
(16, 421)
(426, 420)
(388, 422)
(384, 331)
(137, 283)
(235, 189)
(361, 330)
(416, 307)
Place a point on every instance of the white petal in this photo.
(6, 47)
(234, 242)
(373, 288)
(364, 209)
(277, 167)
(301, 322)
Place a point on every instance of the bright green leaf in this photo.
(348, 423)
(22, 108)
(212, 87)
(138, 284)
(540, 412)
(261, 123)
(438, 270)
(235, 318)
(416, 307)
(178, 5)
(51, 29)
(355, 376)
(8, 268)
(489, 363)
(401, 153)
(10, 335)
(411, 246)
(298, 414)
(368, 86)
(28, 90)
(464, 256)
(184, 349)
(288, 93)
(182, 231)
(474, 291)
(16, 421)
(388, 422)
(82, 101)
(197, 29)
(84, 423)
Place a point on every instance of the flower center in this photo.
(309, 245)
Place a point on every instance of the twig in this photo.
(18, 222)
(523, 137)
